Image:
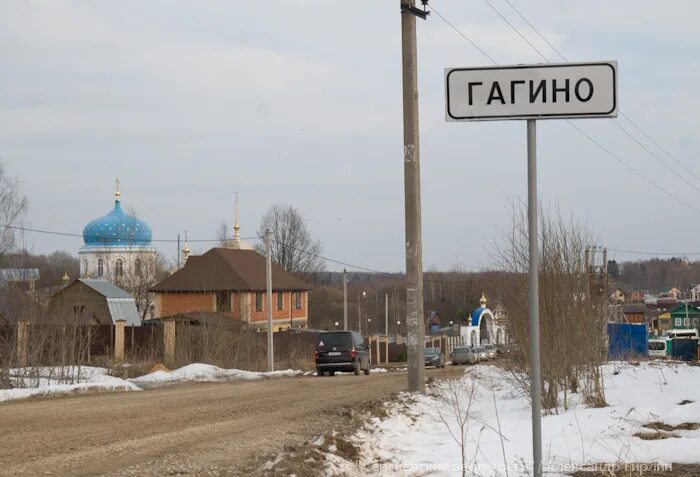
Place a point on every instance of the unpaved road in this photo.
(195, 429)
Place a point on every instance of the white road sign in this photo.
(568, 90)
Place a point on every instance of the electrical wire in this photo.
(636, 126)
(67, 234)
(588, 137)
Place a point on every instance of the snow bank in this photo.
(208, 373)
(58, 381)
(415, 440)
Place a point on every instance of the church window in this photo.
(85, 267)
(100, 267)
(119, 267)
(137, 266)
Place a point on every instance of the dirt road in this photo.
(196, 429)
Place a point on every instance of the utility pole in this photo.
(270, 344)
(359, 313)
(178, 251)
(345, 300)
(415, 328)
(386, 314)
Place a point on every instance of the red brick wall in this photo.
(174, 303)
(288, 300)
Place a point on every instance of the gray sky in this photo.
(299, 102)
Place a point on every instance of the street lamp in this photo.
(369, 326)
(336, 325)
(398, 324)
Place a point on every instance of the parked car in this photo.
(434, 357)
(490, 351)
(481, 353)
(341, 351)
(463, 355)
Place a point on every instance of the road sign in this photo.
(571, 90)
(568, 90)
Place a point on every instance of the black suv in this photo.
(341, 351)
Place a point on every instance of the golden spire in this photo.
(66, 278)
(117, 193)
(482, 300)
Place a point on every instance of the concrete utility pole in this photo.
(270, 344)
(345, 300)
(415, 328)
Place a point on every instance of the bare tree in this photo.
(12, 205)
(293, 248)
(222, 234)
(571, 319)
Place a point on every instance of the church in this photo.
(117, 247)
(485, 327)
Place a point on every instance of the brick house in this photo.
(232, 282)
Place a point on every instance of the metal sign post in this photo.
(533, 302)
(531, 92)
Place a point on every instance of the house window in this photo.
(100, 267)
(297, 300)
(686, 321)
(678, 321)
(696, 321)
(119, 268)
(137, 266)
(223, 301)
(280, 301)
(258, 301)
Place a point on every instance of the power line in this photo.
(636, 126)
(459, 32)
(67, 234)
(536, 30)
(637, 252)
(516, 30)
(588, 137)
(618, 159)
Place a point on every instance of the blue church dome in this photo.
(117, 229)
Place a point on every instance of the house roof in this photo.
(105, 288)
(121, 305)
(228, 269)
(635, 308)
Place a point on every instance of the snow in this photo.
(56, 381)
(414, 440)
(201, 373)
(62, 380)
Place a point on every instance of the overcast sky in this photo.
(299, 102)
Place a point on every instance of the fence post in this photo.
(169, 341)
(22, 343)
(379, 354)
(119, 331)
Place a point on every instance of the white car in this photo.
(481, 353)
